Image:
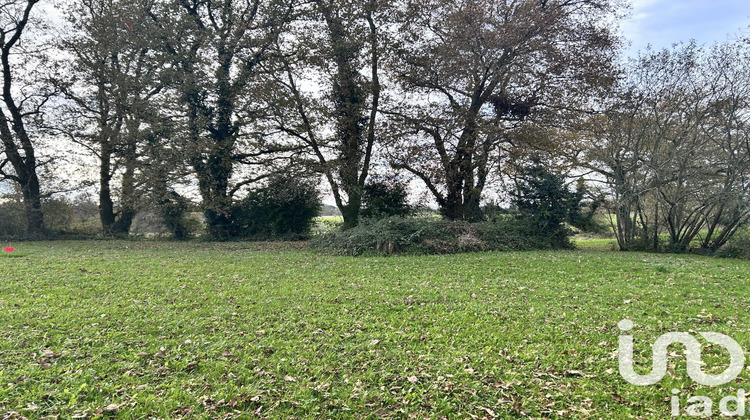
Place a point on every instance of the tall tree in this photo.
(110, 85)
(329, 92)
(649, 115)
(473, 73)
(216, 49)
(20, 107)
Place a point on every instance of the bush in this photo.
(13, 220)
(584, 215)
(86, 222)
(432, 236)
(58, 214)
(385, 198)
(325, 224)
(543, 199)
(64, 218)
(737, 247)
(493, 209)
(285, 208)
(172, 209)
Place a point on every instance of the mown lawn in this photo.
(168, 330)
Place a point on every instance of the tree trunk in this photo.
(214, 164)
(33, 205)
(213, 183)
(217, 225)
(472, 208)
(453, 207)
(464, 196)
(128, 198)
(349, 98)
(351, 210)
(462, 203)
(106, 206)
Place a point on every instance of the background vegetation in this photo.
(172, 108)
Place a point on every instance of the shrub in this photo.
(583, 214)
(149, 223)
(325, 224)
(12, 220)
(543, 199)
(86, 222)
(384, 198)
(64, 218)
(493, 209)
(285, 208)
(172, 209)
(737, 247)
(432, 236)
(58, 214)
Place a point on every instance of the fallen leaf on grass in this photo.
(49, 354)
(577, 373)
(488, 411)
(109, 408)
(78, 414)
(322, 387)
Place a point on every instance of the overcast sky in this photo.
(664, 22)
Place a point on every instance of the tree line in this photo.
(673, 148)
(227, 94)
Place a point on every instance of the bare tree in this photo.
(673, 148)
(727, 127)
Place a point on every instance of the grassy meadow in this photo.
(137, 330)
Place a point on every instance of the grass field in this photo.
(169, 330)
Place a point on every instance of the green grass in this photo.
(168, 330)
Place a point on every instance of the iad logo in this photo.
(700, 406)
(693, 348)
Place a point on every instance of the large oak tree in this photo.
(473, 73)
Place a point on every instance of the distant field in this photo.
(333, 218)
(199, 330)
